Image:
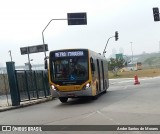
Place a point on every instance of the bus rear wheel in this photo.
(105, 87)
(63, 99)
(95, 97)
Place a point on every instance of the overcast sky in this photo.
(22, 23)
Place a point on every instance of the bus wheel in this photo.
(105, 85)
(63, 99)
(105, 91)
(94, 97)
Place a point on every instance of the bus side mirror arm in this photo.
(46, 63)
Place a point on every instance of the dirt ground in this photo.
(139, 73)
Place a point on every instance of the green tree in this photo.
(115, 65)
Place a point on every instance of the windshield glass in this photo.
(69, 69)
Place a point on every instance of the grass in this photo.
(139, 73)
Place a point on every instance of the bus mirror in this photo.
(45, 64)
(93, 66)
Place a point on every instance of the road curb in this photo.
(25, 104)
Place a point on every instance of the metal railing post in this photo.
(13, 83)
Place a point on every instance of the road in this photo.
(123, 104)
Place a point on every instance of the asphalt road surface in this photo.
(123, 104)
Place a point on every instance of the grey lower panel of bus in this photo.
(81, 93)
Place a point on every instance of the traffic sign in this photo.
(77, 18)
(119, 56)
(34, 49)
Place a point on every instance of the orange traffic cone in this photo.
(136, 80)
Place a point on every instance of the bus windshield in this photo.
(69, 70)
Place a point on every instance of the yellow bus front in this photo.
(69, 73)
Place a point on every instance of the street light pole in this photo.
(104, 51)
(159, 46)
(29, 63)
(132, 51)
(116, 38)
(43, 34)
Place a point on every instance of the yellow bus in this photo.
(75, 73)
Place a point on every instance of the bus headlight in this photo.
(87, 85)
(53, 87)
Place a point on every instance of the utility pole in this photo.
(159, 46)
(132, 51)
(29, 63)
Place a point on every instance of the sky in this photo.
(22, 23)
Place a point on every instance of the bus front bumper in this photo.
(72, 94)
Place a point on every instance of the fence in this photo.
(29, 85)
(32, 84)
(4, 90)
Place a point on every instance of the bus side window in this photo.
(92, 65)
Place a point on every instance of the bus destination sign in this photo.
(69, 54)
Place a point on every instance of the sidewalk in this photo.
(7, 104)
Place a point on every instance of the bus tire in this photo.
(63, 99)
(94, 97)
(105, 87)
(105, 91)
